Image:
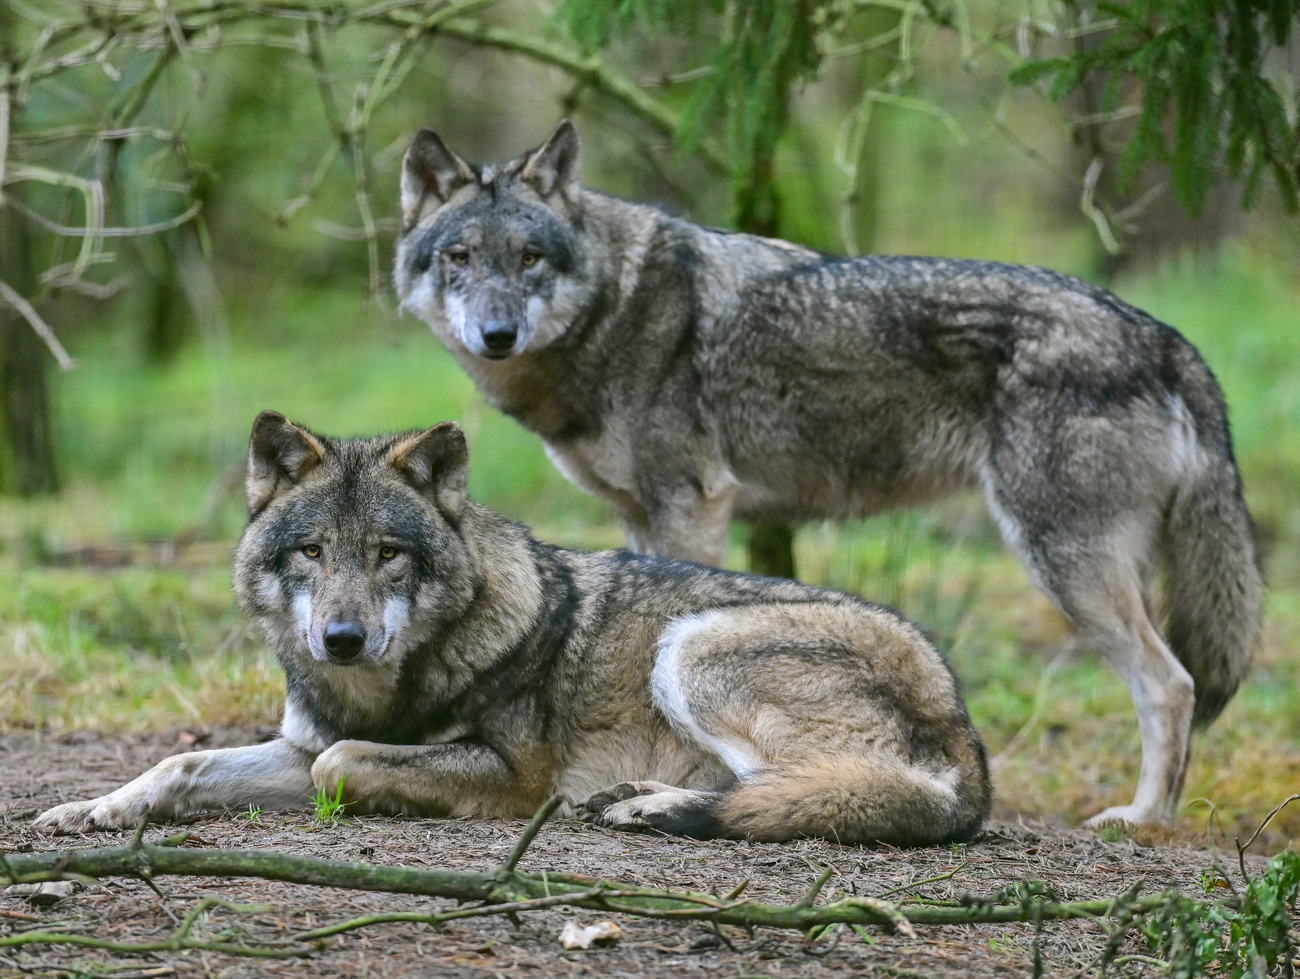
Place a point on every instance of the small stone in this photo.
(575, 936)
(45, 894)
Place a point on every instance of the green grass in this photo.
(327, 808)
(158, 642)
(132, 437)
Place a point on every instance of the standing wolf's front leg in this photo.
(687, 522)
(454, 779)
(274, 775)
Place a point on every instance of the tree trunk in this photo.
(26, 443)
(758, 212)
(771, 549)
(27, 463)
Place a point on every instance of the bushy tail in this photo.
(1214, 589)
(852, 800)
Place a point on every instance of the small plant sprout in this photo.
(328, 810)
(253, 813)
(1113, 832)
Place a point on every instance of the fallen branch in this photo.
(506, 891)
(181, 939)
(1253, 928)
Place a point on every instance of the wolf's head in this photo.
(351, 556)
(492, 257)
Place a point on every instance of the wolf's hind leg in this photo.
(1102, 583)
(1083, 498)
(1111, 615)
(655, 806)
(839, 721)
(856, 799)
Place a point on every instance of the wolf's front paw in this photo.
(343, 769)
(87, 817)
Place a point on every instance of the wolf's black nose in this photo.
(343, 640)
(499, 337)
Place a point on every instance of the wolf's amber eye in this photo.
(312, 551)
(531, 259)
(387, 553)
(459, 257)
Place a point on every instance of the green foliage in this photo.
(329, 809)
(1262, 932)
(1196, 938)
(765, 48)
(1206, 105)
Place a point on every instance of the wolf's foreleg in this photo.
(274, 775)
(689, 523)
(453, 779)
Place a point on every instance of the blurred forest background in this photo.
(197, 219)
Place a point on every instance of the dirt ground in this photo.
(1076, 864)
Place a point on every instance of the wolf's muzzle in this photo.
(499, 337)
(344, 640)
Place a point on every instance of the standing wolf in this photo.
(690, 375)
(441, 661)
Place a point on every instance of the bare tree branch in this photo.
(28, 312)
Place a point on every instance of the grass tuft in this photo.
(329, 809)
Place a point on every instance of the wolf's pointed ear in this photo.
(430, 168)
(435, 462)
(557, 165)
(280, 454)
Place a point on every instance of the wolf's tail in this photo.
(1214, 588)
(852, 799)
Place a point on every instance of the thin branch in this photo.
(1088, 206)
(912, 885)
(28, 312)
(140, 948)
(898, 920)
(810, 898)
(539, 903)
(530, 833)
(136, 231)
(1143, 959)
(92, 192)
(591, 70)
(1242, 848)
(137, 840)
(5, 104)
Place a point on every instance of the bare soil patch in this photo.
(38, 773)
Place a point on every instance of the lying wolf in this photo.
(689, 375)
(442, 662)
